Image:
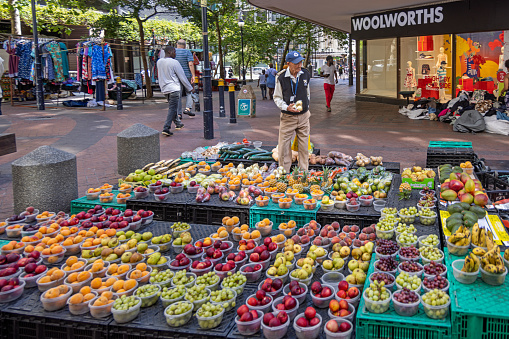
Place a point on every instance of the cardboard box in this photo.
(428, 182)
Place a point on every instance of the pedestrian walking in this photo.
(292, 85)
(271, 80)
(186, 60)
(171, 78)
(328, 72)
(262, 83)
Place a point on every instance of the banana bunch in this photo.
(461, 237)
(490, 244)
(479, 236)
(471, 264)
(492, 261)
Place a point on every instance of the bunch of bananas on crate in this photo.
(461, 237)
(492, 261)
(479, 236)
(471, 264)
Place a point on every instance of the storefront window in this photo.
(479, 57)
(381, 68)
(426, 66)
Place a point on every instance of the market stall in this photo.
(192, 249)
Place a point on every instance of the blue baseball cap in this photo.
(294, 57)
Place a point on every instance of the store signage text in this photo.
(400, 19)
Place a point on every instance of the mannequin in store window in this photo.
(442, 78)
(501, 59)
(410, 82)
(506, 85)
(442, 57)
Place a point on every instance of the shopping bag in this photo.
(295, 144)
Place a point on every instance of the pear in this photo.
(148, 251)
(86, 254)
(119, 251)
(279, 255)
(282, 270)
(338, 263)
(156, 240)
(154, 258)
(311, 255)
(126, 257)
(308, 268)
(122, 237)
(177, 242)
(162, 261)
(98, 251)
(132, 243)
(106, 252)
(135, 258)
(146, 236)
(166, 238)
(129, 234)
(289, 256)
(136, 236)
(278, 262)
(302, 274)
(111, 257)
(351, 280)
(142, 247)
(272, 271)
(113, 243)
(104, 241)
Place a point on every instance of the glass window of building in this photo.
(381, 68)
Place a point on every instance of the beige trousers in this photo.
(289, 125)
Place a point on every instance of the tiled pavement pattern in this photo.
(351, 127)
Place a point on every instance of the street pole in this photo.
(233, 115)
(119, 94)
(38, 77)
(208, 118)
(350, 63)
(242, 44)
(222, 112)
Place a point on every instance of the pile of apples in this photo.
(295, 289)
(200, 265)
(271, 320)
(236, 257)
(245, 314)
(320, 291)
(180, 261)
(346, 292)
(260, 253)
(309, 319)
(288, 303)
(230, 265)
(260, 299)
(270, 285)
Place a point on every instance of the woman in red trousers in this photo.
(328, 72)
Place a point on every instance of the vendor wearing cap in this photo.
(291, 95)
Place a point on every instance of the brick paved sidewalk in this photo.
(351, 127)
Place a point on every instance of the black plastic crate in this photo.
(496, 188)
(213, 211)
(174, 208)
(26, 326)
(438, 156)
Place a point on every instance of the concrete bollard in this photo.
(137, 146)
(46, 178)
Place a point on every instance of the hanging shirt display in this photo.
(23, 51)
(54, 50)
(10, 47)
(65, 59)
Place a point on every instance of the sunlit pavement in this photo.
(351, 127)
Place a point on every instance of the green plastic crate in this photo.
(392, 325)
(83, 204)
(278, 215)
(450, 144)
(478, 310)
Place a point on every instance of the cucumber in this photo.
(247, 155)
(261, 157)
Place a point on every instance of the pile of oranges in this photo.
(125, 188)
(76, 278)
(227, 221)
(72, 264)
(99, 284)
(105, 299)
(12, 245)
(45, 215)
(56, 292)
(114, 269)
(139, 272)
(85, 294)
(221, 233)
(97, 266)
(53, 274)
(93, 190)
(106, 197)
(121, 286)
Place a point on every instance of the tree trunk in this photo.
(15, 18)
(222, 73)
(148, 80)
(308, 50)
(285, 52)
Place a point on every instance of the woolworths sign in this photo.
(445, 18)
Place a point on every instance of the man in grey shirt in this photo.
(186, 60)
(171, 76)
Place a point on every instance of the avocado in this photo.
(454, 228)
(464, 205)
(479, 211)
(470, 216)
(454, 208)
(451, 223)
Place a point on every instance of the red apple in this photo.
(267, 318)
(332, 326)
(310, 313)
(242, 309)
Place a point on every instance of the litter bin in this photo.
(246, 102)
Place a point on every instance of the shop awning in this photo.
(334, 14)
